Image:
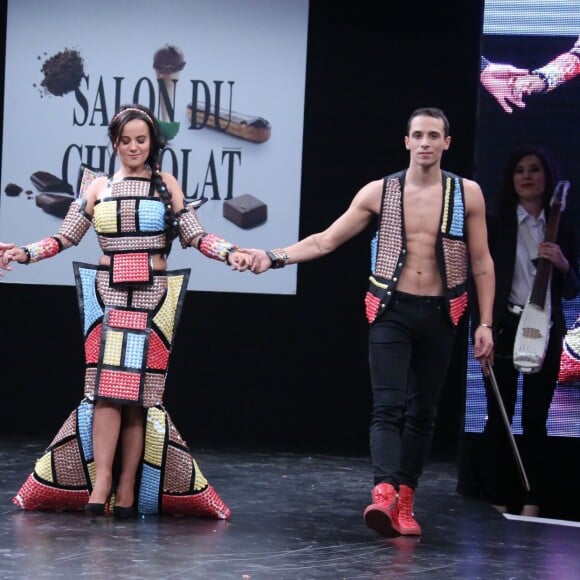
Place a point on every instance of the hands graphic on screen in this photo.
(509, 85)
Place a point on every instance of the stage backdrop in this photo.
(227, 81)
(530, 35)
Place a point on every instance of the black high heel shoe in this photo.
(96, 509)
(125, 513)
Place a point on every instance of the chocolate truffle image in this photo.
(168, 62)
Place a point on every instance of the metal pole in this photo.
(508, 427)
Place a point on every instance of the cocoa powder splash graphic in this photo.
(62, 72)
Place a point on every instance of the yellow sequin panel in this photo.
(92, 471)
(200, 481)
(154, 437)
(446, 201)
(43, 467)
(165, 318)
(113, 346)
(105, 217)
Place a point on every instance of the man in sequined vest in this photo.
(431, 233)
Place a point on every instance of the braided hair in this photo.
(131, 112)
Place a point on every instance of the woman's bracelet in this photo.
(485, 325)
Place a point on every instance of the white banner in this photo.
(237, 64)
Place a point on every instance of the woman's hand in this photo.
(4, 258)
(240, 260)
(259, 260)
(551, 251)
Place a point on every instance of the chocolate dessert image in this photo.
(168, 62)
(47, 182)
(56, 204)
(62, 72)
(56, 194)
(255, 129)
(246, 211)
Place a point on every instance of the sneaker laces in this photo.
(406, 506)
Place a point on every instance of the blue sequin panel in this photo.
(151, 215)
(374, 246)
(85, 428)
(149, 492)
(134, 350)
(91, 307)
(457, 218)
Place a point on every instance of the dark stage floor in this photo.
(294, 517)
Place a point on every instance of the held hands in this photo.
(239, 260)
(258, 260)
(500, 80)
(7, 256)
(527, 85)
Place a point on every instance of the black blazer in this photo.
(502, 230)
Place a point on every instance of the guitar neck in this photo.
(541, 281)
(545, 267)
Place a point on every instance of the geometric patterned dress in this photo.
(128, 337)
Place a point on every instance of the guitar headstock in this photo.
(560, 194)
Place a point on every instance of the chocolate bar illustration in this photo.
(47, 182)
(55, 204)
(256, 129)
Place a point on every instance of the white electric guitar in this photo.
(534, 327)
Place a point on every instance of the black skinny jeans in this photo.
(501, 485)
(410, 346)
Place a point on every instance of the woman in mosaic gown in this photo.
(119, 452)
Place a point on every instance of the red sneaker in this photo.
(381, 514)
(406, 522)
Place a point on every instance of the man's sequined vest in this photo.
(389, 250)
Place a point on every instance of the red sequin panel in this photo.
(128, 319)
(119, 385)
(207, 503)
(34, 495)
(158, 354)
(569, 368)
(93, 345)
(372, 306)
(457, 308)
(130, 268)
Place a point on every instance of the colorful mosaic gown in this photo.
(128, 336)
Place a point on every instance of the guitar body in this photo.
(532, 337)
(533, 331)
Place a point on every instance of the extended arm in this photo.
(192, 233)
(482, 269)
(72, 230)
(363, 207)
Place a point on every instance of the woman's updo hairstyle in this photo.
(132, 112)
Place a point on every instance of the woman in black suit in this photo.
(516, 226)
